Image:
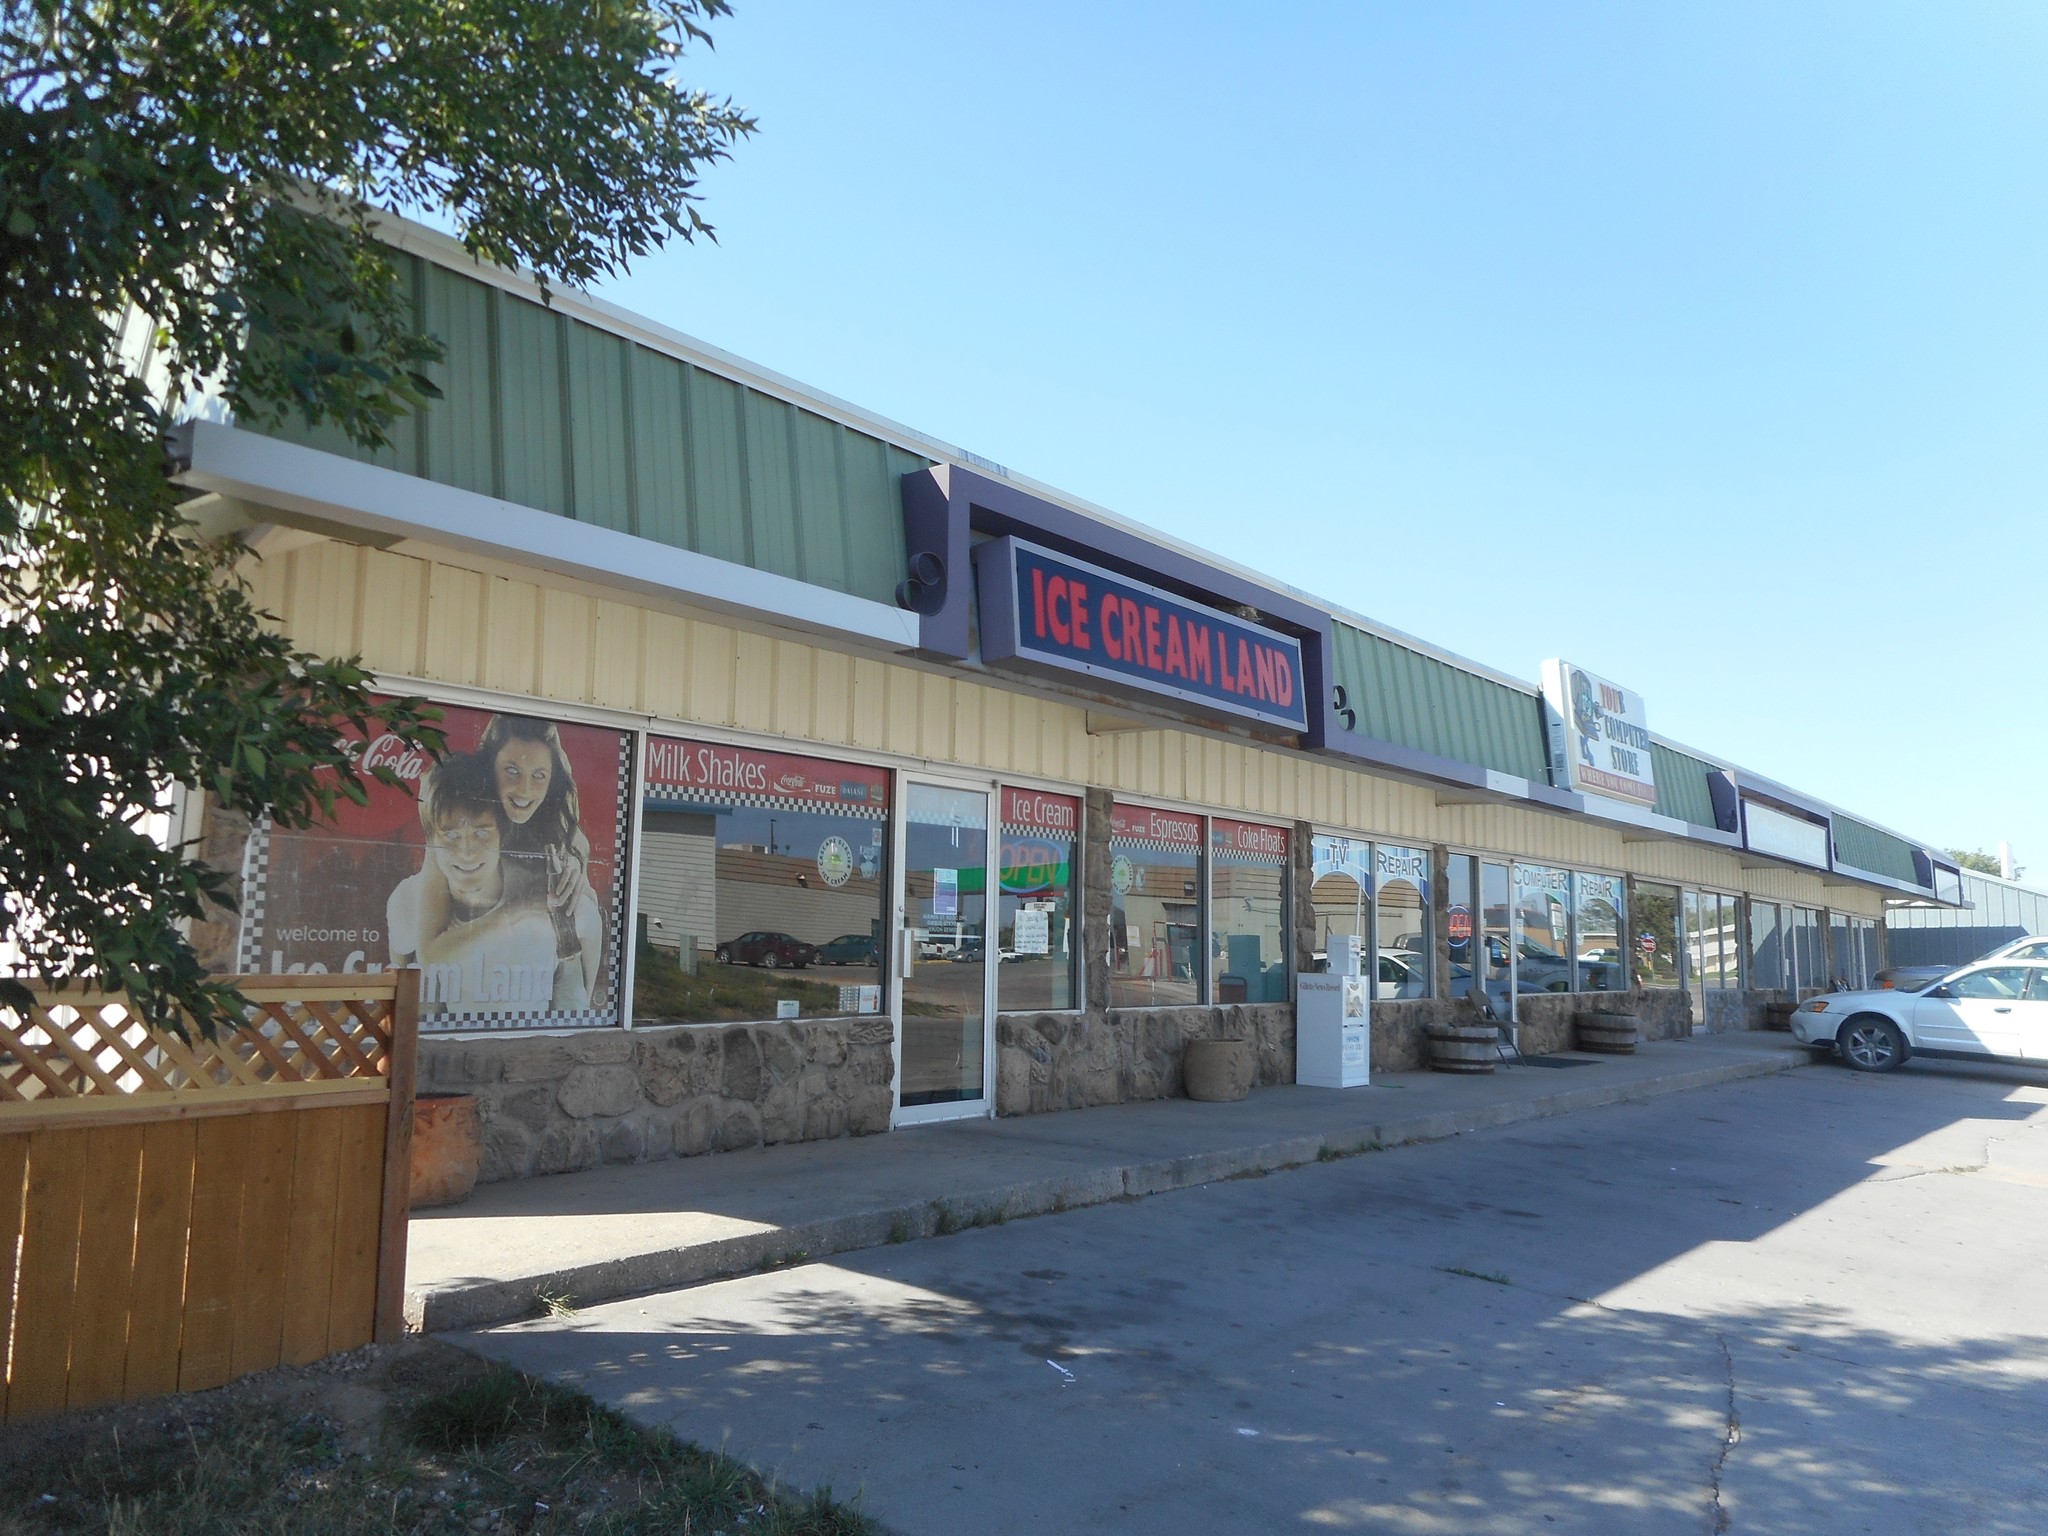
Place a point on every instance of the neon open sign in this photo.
(1041, 610)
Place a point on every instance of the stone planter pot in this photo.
(1464, 1047)
(447, 1149)
(1219, 1071)
(1608, 1034)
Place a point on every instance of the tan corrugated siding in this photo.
(442, 621)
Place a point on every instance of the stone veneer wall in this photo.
(1097, 1054)
(1400, 1027)
(558, 1103)
(1729, 1011)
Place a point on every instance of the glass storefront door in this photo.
(944, 954)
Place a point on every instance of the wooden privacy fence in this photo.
(174, 1215)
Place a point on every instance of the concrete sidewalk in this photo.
(655, 1226)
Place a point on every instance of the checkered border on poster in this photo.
(255, 891)
(1015, 829)
(677, 794)
(606, 1017)
(1239, 856)
(1120, 844)
(255, 898)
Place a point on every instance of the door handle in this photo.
(2003, 1008)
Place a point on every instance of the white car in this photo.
(1993, 1010)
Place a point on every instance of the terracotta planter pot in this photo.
(1218, 1071)
(447, 1149)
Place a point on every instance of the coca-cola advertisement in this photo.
(497, 871)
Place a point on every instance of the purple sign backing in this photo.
(1046, 611)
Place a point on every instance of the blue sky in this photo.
(1705, 345)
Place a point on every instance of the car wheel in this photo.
(724, 956)
(1871, 1044)
(772, 960)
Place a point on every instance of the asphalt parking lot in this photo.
(1807, 1303)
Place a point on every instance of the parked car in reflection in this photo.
(768, 949)
(850, 949)
(1917, 978)
(1994, 1010)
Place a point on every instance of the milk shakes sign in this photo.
(1046, 612)
(1599, 738)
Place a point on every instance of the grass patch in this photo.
(948, 1218)
(551, 1301)
(496, 1452)
(1330, 1152)
(1491, 1277)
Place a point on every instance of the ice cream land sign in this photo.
(1599, 736)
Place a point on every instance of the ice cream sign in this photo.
(1047, 612)
(1599, 738)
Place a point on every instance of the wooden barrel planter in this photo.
(1609, 1034)
(1218, 1071)
(1463, 1047)
(447, 1149)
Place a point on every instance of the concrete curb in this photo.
(479, 1304)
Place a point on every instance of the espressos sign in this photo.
(1046, 610)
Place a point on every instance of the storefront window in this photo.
(1041, 839)
(1654, 921)
(1713, 956)
(1596, 933)
(497, 871)
(762, 880)
(1543, 905)
(1766, 946)
(1248, 911)
(1155, 937)
(1803, 946)
(1855, 950)
(1401, 921)
(1341, 895)
(1496, 956)
(1458, 924)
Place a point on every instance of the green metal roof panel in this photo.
(1682, 788)
(1417, 701)
(1862, 846)
(544, 410)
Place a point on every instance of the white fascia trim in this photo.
(388, 503)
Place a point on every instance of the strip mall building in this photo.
(812, 777)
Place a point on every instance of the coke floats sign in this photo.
(1047, 612)
(1247, 842)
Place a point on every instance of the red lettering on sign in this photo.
(1263, 656)
(1081, 616)
(1134, 631)
(1198, 653)
(1223, 674)
(1245, 680)
(1055, 593)
(1176, 653)
(1112, 635)
(1283, 674)
(1038, 602)
(1153, 659)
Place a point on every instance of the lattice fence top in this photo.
(299, 1030)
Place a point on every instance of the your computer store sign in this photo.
(1048, 612)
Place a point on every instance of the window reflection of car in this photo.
(850, 949)
(770, 950)
(1402, 973)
